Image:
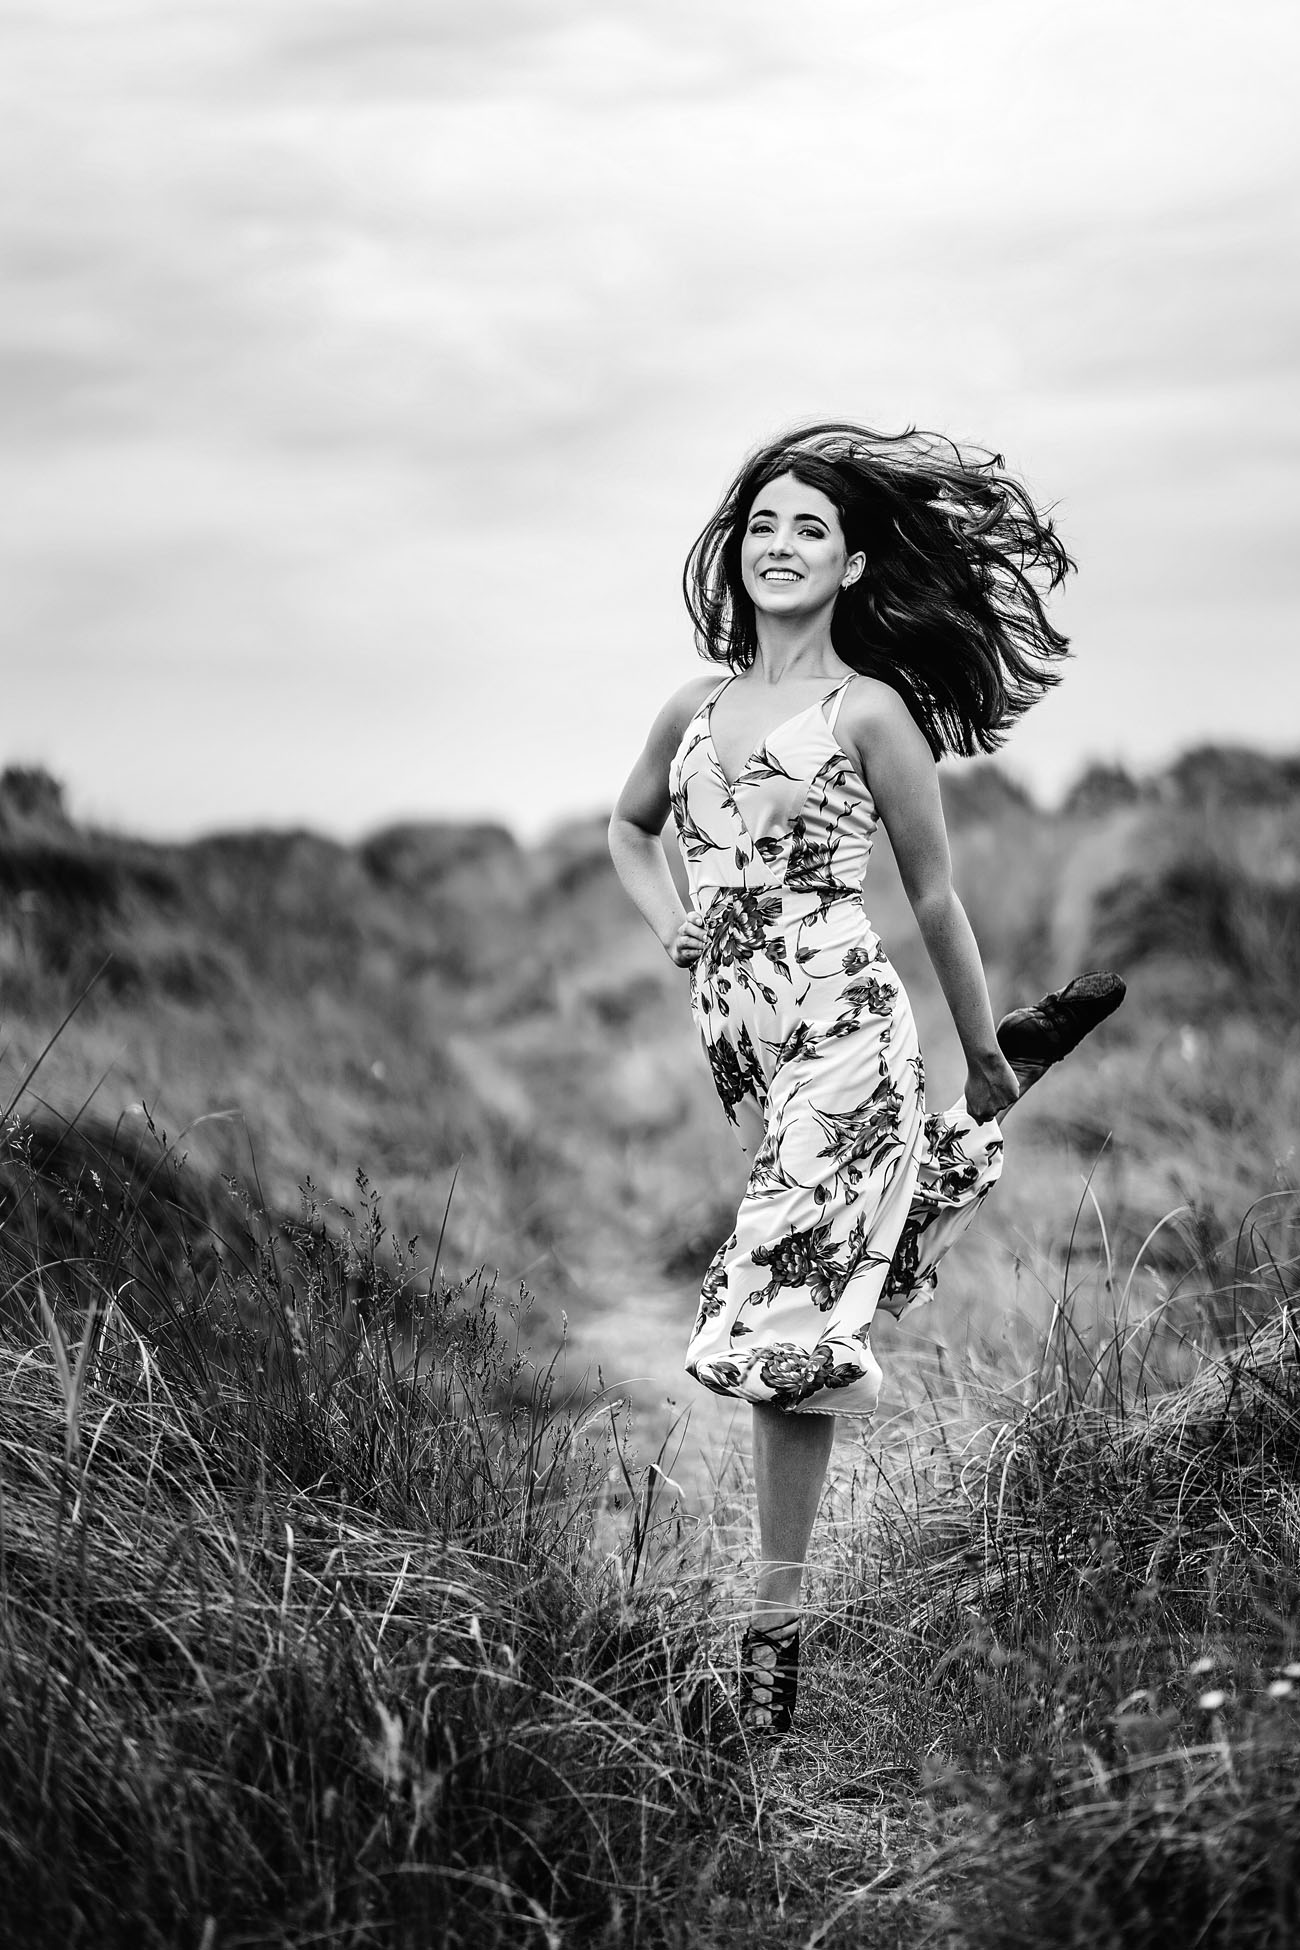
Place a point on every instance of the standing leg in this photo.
(790, 1457)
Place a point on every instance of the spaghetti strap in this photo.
(839, 696)
(716, 693)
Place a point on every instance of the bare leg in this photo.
(790, 1457)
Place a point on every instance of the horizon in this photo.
(370, 373)
(1145, 781)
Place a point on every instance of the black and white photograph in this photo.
(650, 975)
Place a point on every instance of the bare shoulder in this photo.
(687, 701)
(672, 720)
(644, 799)
(873, 711)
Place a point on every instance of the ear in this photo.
(852, 570)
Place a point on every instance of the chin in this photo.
(788, 605)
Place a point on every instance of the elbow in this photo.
(623, 833)
(933, 906)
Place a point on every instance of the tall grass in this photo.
(1077, 1621)
(303, 1633)
(324, 1618)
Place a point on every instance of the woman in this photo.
(874, 601)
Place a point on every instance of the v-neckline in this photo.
(818, 704)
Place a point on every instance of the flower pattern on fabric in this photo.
(760, 766)
(855, 1192)
(737, 1073)
(809, 863)
(801, 1259)
(860, 1141)
(713, 1289)
(740, 930)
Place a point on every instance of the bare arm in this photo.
(638, 821)
(905, 786)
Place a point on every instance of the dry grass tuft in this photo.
(321, 1622)
(305, 1638)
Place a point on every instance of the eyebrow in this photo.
(772, 516)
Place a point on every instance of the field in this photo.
(349, 1595)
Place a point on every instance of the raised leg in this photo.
(1034, 1038)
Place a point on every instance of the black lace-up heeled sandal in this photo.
(1034, 1038)
(769, 1678)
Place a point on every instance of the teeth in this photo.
(779, 575)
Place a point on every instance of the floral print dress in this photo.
(855, 1193)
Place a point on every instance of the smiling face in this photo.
(793, 558)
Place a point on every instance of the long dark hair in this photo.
(946, 611)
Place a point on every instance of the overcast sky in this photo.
(370, 366)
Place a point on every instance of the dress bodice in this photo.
(798, 817)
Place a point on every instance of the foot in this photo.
(1033, 1039)
(769, 1678)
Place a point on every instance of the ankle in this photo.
(774, 1618)
(778, 1589)
(768, 1677)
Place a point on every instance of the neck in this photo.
(794, 647)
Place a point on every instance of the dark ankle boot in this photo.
(1034, 1038)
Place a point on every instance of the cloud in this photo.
(375, 335)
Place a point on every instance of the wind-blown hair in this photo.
(946, 610)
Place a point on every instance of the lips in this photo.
(780, 575)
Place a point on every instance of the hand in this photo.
(687, 945)
(991, 1087)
